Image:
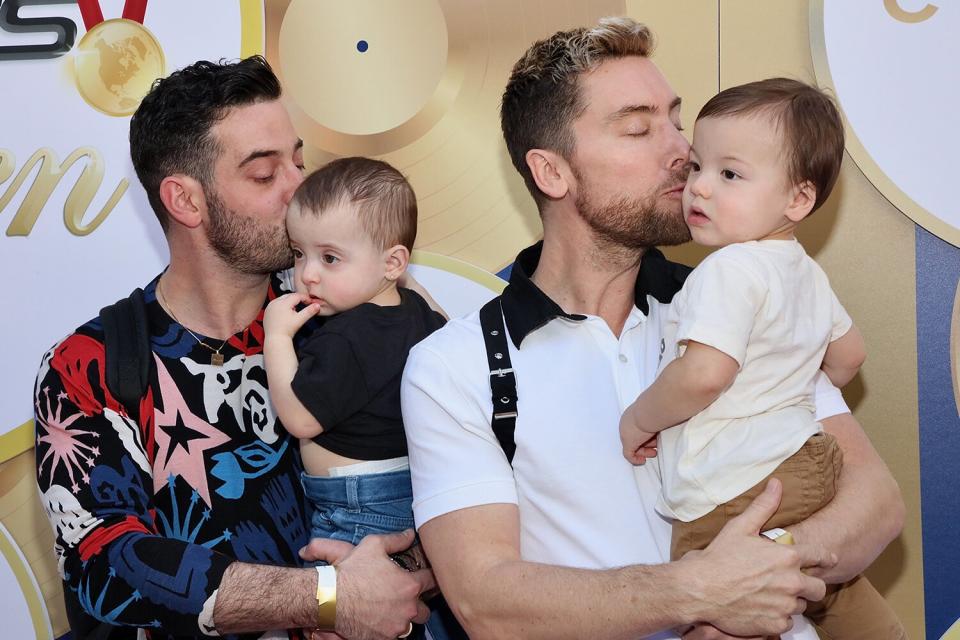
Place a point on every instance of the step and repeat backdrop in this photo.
(887, 64)
(418, 83)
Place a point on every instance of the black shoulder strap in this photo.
(126, 341)
(503, 381)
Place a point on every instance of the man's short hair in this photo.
(170, 131)
(543, 95)
(385, 202)
(807, 119)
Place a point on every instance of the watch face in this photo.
(902, 140)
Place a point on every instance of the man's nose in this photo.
(679, 150)
(293, 176)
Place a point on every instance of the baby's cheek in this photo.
(687, 198)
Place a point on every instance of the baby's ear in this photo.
(804, 197)
(396, 259)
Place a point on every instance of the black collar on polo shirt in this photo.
(526, 308)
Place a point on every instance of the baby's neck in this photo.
(388, 296)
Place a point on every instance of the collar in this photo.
(526, 308)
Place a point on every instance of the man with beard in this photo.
(559, 541)
(183, 513)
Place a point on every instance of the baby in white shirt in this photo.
(749, 332)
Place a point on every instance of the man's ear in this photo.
(397, 258)
(184, 199)
(804, 197)
(550, 172)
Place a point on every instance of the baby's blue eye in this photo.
(729, 174)
(329, 259)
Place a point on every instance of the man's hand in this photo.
(281, 317)
(638, 444)
(749, 585)
(376, 599)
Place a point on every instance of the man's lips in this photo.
(675, 190)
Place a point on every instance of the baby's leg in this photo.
(809, 482)
(850, 611)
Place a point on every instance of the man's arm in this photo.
(866, 514)
(375, 598)
(96, 483)
(741, 583)
(95, 480)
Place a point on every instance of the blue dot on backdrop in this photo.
(362, 46)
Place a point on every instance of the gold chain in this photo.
(216, 358)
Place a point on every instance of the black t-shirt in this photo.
(349, 375)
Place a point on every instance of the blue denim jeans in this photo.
(351, 507)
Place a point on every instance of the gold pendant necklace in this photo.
(216, 358)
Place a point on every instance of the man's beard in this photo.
(634, 223)
(244, 243)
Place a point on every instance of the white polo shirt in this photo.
(580, 503)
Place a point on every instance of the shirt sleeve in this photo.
(827, 398)
(719, 302)
(455, 460)
(330, 381)
(841, 319)
(121, 566)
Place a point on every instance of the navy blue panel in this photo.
(938, 271)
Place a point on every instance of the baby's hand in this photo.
(281, 317)
(638, 445)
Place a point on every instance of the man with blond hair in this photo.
(560, 541)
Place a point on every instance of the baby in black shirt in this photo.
(352, 225)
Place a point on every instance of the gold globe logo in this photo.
(115, 65)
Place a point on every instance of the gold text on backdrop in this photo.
(894, 9)
(48, 177)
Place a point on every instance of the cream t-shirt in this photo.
(770, 307)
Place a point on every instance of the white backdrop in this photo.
(893, 66)
(54, 280)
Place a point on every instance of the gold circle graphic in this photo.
(349, 102)
(459, 268)
(27, 582)
(401, 68)
(24, 532)
(116, 63)
(473, 205)
(19, 439)
(897, 196)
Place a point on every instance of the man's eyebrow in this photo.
(631, 109)
(267, 153)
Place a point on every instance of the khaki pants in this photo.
(850, 611)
